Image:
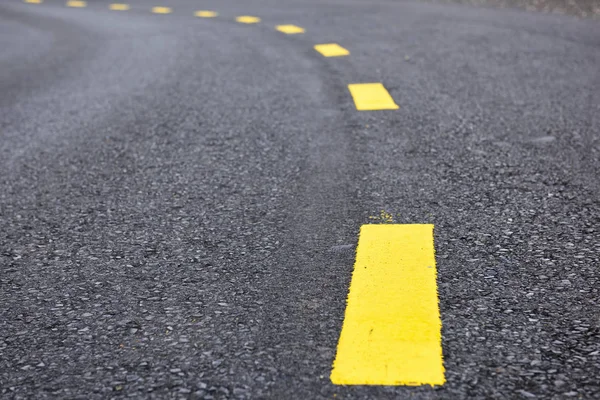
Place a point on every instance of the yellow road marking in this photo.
(392, 329)
(161, 10)
(33, 1)
(371, 96)
(289, 29)
(76, 3)
(119, 7)
(331, 50)
(247, 19)
(205, 14)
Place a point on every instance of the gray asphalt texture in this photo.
(581, 8)
(179, 197)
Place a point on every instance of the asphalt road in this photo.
(180, 197)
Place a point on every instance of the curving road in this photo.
(180, 196)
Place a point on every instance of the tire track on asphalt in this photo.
(67, 39)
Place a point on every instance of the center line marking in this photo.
(119, 7)
(76, 3)
(331, 50)
(205, 14)
(392, 328)
(290, 29)
(371, 96)
(33, 1)
(247, 19)
(161, 10)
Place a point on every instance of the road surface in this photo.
(181, 195)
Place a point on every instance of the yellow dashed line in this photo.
(33, 1)
(161, 10)
(205, 14)
(331, 50)
(392, 329)
(247, 19)
(371, 96)
(119, 7)
(289, 29)
(76, 3)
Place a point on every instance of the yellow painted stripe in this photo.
(119, 7)
(205, 14)
(289, 29)
(331, 50)
(371, 96)
(247, 19)
(76, 3)
(392, 329)
(33, 1)
(161, 10)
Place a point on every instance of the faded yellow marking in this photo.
(119, 7)
(161, 10)
(392, 328)
(371, 96)
(289, 29)
(205, 14)
(247, 19)
(384, 217)
(76, 3)
(33, 1)
(331, 50)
